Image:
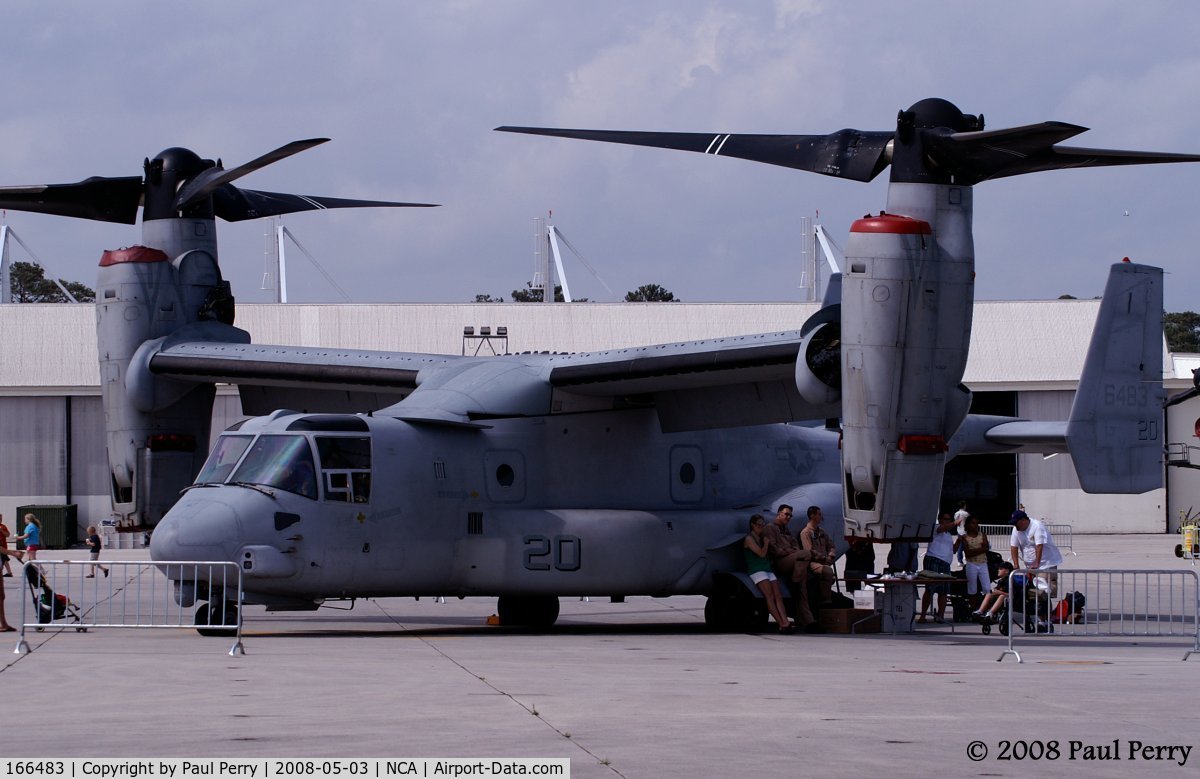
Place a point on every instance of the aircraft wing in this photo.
(697, 385)
(715, 383)
(308, 378)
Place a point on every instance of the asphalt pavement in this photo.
(633, 689)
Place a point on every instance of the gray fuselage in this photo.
(526, 506)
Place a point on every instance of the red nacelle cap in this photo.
(891, 223)
(131, 254)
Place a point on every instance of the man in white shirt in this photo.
(1031, 546)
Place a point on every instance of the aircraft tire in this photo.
(530, 611)
(719, 613)
(729, 613)
(207, 613)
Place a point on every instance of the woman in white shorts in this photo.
(758, 565)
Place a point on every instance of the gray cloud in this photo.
(410, 91)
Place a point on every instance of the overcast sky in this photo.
(410, 91)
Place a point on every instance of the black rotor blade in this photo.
(235, 205)
(209, 180)
(99, 198)
(993, 154)
(1061, 157)
(848, 154)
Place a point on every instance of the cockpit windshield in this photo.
(282, 461)
(286, 462)
(224, 456)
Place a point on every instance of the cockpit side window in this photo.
(346, 467)
(223, 457)
(282, 461)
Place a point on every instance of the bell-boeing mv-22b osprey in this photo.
(625, 472)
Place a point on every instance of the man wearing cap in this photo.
(1032, 547)
(791, 564)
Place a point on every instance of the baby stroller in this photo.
(1030, 605)
(48, 604)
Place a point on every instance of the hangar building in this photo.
(1025, 360)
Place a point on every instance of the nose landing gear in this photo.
(217, 619)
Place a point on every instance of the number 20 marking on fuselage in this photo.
(565, 552)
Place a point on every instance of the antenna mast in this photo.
(808, 270)
(7, 233)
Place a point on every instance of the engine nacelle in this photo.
(157, 429)
(819, 365)
(906, 310)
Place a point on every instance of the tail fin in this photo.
(1115, 430)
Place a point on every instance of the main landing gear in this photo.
(530, 611)
(731, 609)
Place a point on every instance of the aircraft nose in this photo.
(200, 527)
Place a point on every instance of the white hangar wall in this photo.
(49, 380)
(1183, 423)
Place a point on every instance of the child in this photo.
(93, 542)
(994, 600)
(32, 536)
(974, 542)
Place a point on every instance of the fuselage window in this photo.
(281, 461)
(224, 456)
(346, 467)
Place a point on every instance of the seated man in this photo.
(822, 553)
(790, 564)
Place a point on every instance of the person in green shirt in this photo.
(758, 565)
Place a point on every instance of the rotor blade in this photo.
(234, 205)
(993, 154)
(99, 198)
(209, 180)
(1061, 157)
(848, 154)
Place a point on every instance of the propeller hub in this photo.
(169, 170)
(183, 162)
(934, 112)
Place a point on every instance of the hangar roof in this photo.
(51, 348)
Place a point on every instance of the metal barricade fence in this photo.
(1102, 604)
(77, 595)
(1063, 534)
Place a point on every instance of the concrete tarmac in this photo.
(637, 689)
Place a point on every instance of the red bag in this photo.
(1062, 612)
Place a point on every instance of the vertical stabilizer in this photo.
(1115, 431)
